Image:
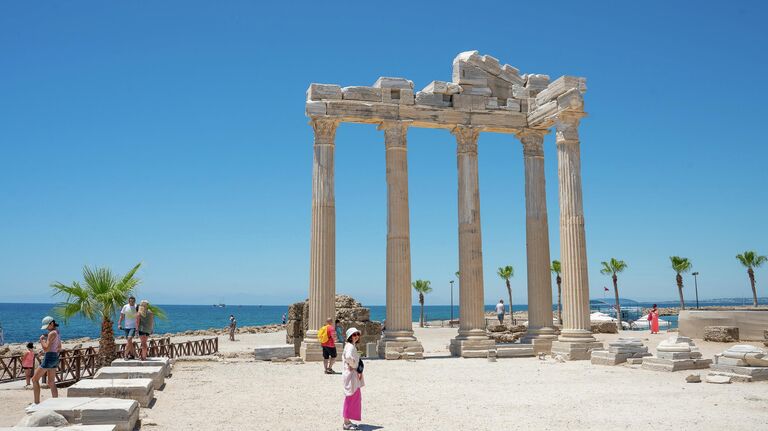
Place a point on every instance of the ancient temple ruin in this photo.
(483, 96)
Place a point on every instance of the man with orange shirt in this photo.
(329, 345)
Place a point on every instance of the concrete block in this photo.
(265, 353)
(166, 363)
(141, 390)
(123, 414)
(156, 374)
(324, 92)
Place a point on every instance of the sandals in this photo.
(330, 371)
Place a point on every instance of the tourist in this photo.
(653, 319)
(128, 315)
(326, 335)
(339, 331)
(145, 323)
(232, 327)
(283, 318)
(353, 380)
(500, 311)
(28, 363)
(51, 344)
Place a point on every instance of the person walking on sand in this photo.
(128, 315)
(51, 344)
(653, 319)
(500, 311)
(283, 318)
(352, 377)
(28, 364)
(326, 336)
(145, 323)
(232, 327)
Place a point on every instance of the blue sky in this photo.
(174, 134)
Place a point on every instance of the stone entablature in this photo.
(482, 94)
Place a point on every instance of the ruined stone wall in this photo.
(350, 312)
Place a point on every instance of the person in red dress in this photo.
(653, 319)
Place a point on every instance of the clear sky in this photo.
(173, 133)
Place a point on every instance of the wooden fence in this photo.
(76, 364)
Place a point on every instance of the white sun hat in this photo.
(352, 331)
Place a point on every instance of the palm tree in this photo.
(421, 286)
(101, 297)
(752, 260)
(612, 268)
(680, 265)
(507, 272)
(556, 269)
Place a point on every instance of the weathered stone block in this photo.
(503, 119)
(658, 364)
(140, 390)
(163, 362)
(406, 97)
(315, 108)
(442, 87)
(324, 92)
(358, 110)
(430, 99)
(123, 414)
(678, 355)
(465, 73)
(556, 88)
(365, 94)
(575, 351)
(571, 100)
(154, 373)
(721, 334)
(388, 82)
(754, 373)
(718, 379)
(43, 418)
(476, 91)
(469, 102)
(63, 428)
(515, 350)
(357, 314)
(266, 353)
(512, 105)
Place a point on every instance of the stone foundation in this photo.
(93, 411)
(400, 350)
(575, 351)
(471, 348)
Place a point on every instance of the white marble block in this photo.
(166, 363)
(123, 414)
(156, 374)
(141, 390)
(266, 353)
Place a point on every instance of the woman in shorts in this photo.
(145, 322)
(51, 346)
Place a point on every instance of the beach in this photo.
(439, 392)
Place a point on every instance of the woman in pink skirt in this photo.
(352, 375)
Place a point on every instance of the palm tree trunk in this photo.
(509, 291)
(559, 300)
(680, 290)
(421, 302)
(107, 347)
(751, 273)
(618, 306)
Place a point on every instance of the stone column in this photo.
(576, 341)
(540, 328)
(472, 340)
(322, 265)
(398, 341)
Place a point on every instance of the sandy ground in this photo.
(440, 393)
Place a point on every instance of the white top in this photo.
(130, 316)
(349, 359)
(499, 308)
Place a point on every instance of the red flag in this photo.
(605, 288)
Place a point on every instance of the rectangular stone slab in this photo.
(150, 362)
(67, 428)
(265, 353)
(123, 414)
(659, 364)
(140, 390)
(755, 373)
(514, 351)
(155, 373)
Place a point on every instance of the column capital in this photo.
(466, 138)
(533, 142)
(567, 126)
(395, 133)
(325, 130)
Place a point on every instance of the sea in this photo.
(21, 322)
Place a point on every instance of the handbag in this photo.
(360, 366)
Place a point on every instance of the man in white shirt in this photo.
(128, 313)
(500, 311)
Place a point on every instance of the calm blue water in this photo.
(21, 322)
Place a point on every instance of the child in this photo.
(28, 363)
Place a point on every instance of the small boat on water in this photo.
(219, 305)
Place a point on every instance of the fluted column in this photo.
(322, 266)
(573, 251)
(537, 239)
(399, 325)
(471, 315)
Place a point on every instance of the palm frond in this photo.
(506, 272)
(556, 267)
(680, 264)
(606, 269)
(422, 286)
(158, 312)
